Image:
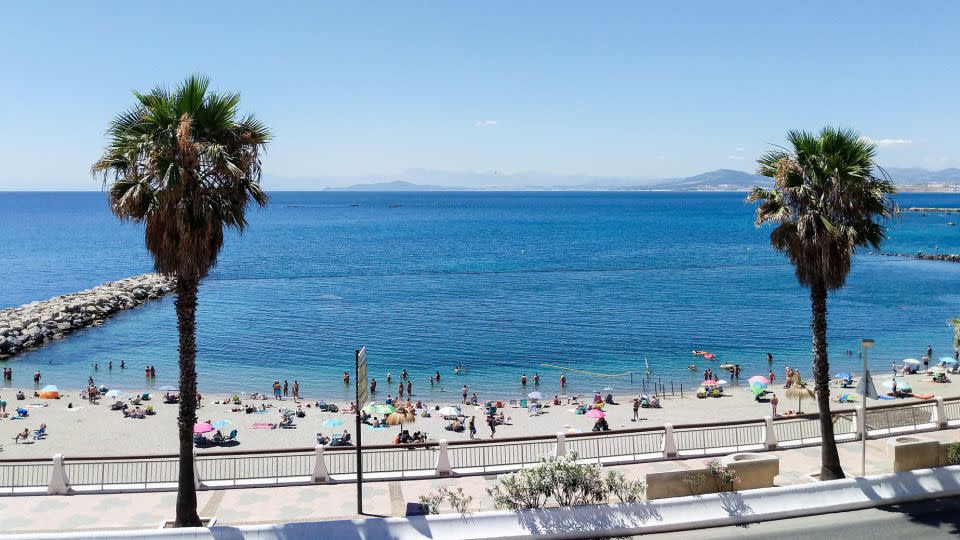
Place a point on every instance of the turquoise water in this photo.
(498, 282)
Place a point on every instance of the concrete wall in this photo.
(755, 471)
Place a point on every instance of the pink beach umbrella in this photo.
(595, 413)
(759, 378)
(203, 427)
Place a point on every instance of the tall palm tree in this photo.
(828, 199)
(186, 164)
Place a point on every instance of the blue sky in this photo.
(370, 90)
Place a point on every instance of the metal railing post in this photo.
(320, 473)
(561, 445)
(196, 472)
(58, 477)
(941, 414)
(769, 435)
(669, 441)
(443, 459)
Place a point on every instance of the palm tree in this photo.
(186, 164)
(955, 323)
(828, 199)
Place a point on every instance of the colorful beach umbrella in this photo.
(379, 408)
(202, 427)
(759, 379)
(220, 424)
(595, 413)
(757, 388)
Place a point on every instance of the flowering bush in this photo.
(724, 477)
(569, 484)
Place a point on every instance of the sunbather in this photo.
(23, 435)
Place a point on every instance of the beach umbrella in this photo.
(449, 411)
(535, 395)
(595, 413)
(220, 424)
(757, 388)
(401, 417)
(799, 393)
(608, 389)
(912, 361)
(843, 376)
(902, 384)
(168, 388)
(379, 408)
(720, 382)
(948, 360)
(759, 379)
(50, 388)
(202, 427)
(333, 422)
(115, 394)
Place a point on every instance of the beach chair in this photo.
(523, 404)
(39, 433)
(231, 437)
(513, 403)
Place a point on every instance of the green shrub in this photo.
(567, 482)
(953, 454)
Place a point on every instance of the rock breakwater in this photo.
(31, 325)
(949, 257)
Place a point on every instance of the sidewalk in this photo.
(33, 514)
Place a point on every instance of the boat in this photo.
(698, 352)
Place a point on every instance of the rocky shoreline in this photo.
(923, 256)
(923, 210)
(31, 325)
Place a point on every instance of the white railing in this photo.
(302, 466)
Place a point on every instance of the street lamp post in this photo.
(865, 344)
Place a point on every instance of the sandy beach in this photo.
(95, 430)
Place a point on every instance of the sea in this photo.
(614, 288)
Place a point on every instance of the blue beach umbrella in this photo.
(948, 360)
(220, 424)
(757, 388)
(333, 422)
(843, 376)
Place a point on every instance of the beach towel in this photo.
(923, 396)
(381, 427)
(263, 425)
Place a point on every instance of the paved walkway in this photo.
(324, 502)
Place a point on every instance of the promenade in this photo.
(246, 506)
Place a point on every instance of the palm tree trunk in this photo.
(830, 468)
(187, 326)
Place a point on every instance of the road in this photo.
(939, 518)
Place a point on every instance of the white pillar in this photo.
(561, 445)
(858, 422)
(769, 436)
(58, 477)
(320, 474)
(196, 472)
(669, 442)
(941, 414)
(443, 460)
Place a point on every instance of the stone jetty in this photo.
(949, 257)
(31, 325)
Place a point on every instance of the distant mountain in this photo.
(395, 185)
(719, 180)
(917, 176)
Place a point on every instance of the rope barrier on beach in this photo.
(591, 373)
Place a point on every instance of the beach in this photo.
(95, 430)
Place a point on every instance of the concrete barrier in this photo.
(755, 471)
(679, 514)
(911, 452)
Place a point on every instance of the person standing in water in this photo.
(296, 390)
(523, 379)
(464, 392)
(409, 388)
(373, 386)
(563, 380)
(536, 379)
(769, 358)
